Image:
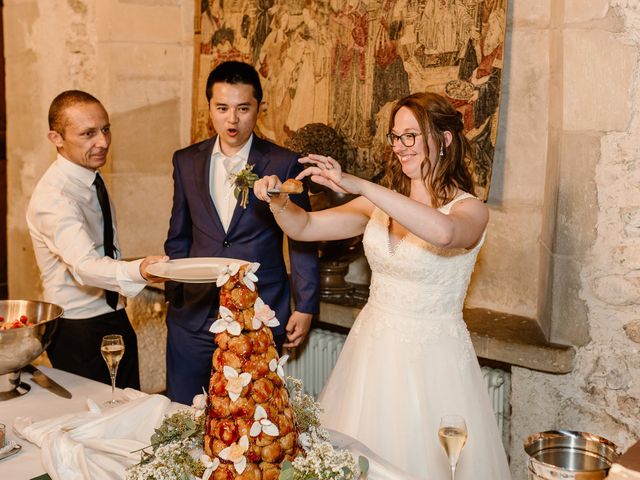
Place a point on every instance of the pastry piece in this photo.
(291, 185)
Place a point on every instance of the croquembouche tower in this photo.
(250, 427)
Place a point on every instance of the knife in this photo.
(46, 382)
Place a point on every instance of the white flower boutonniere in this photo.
(243, 181)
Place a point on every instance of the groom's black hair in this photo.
(234, 72)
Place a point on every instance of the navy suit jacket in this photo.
(195, 230)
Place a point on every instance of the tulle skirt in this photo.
(394, 380)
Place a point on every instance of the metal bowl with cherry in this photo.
(21, 345)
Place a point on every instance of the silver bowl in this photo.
(21, 346)
(569, 455)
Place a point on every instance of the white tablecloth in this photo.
(40, 404)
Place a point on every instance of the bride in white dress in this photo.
(408, 359)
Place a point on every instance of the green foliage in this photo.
(243, 181)
(179, 426)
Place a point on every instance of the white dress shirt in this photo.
(221, 184)
(65, 223)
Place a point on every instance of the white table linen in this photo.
(48, 412)
(77, 439)
(98, 443)
(379, 468)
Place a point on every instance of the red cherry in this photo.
(23, 318)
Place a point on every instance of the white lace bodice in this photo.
(417, 279)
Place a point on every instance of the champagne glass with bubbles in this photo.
(112, 349)
(453, 436)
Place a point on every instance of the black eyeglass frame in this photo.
(404, 139)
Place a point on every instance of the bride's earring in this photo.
(441, 150)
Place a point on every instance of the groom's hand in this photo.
(263, 185)
(297, 328)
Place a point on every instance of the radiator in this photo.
(313, 364)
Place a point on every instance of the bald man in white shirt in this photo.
(74, 237)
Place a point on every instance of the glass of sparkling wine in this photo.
(453, 436)
(112, 349)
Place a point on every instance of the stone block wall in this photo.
(133, 55)
(593, 244)
(147, 313)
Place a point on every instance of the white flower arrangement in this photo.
(176, 447)
(321, 460)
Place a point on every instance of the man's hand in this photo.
(148, 261)
(297, 328)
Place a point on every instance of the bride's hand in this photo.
(327, 172)
(261, 186)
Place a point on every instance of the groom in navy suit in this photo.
(208, 221)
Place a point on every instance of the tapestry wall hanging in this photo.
(339, 65)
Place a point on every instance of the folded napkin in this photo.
(379, 468)
(96, 444)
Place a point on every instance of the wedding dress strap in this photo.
(461, 196)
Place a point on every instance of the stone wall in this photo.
(136, 57)
(147, 312)
(594, 245)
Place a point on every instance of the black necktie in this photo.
(103, 199)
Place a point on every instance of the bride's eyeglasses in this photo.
(407, 139)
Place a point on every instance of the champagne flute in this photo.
(112, 349)
(453, 436)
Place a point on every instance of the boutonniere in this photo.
(243, 181)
